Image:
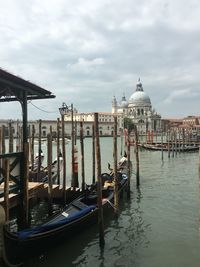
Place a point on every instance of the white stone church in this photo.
(139, 109)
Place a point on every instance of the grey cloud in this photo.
(88, 51)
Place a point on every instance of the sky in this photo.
(87, 51)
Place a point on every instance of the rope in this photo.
(111, 204)
(42, 109)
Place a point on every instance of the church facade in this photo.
(139, 109)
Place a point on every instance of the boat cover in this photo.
(24, 234)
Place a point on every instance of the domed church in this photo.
(139, 109)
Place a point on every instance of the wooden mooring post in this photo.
(64, 159)
(3, 145)
(173, 142)
(0, 145)
(137, 158)
(179, 141)
(6, 187)
(17, 137)
(116, 182)
(82, 157)
(39, 150)
(199, 161)
(93, 155)
(168, 143)
(175, 137)
(25, 185)
(32, 146)
(49, 167)
(58, 151)
(99, 183)
(2, 223)
(129, 165)
(10, 137)
(162, 145)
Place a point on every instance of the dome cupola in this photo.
(124, 102)
(139, 97)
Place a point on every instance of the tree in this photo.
(128, 124)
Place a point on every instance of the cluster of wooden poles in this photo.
(115, 171)
(96, 164)
(181, 135)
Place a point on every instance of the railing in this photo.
(15, 170)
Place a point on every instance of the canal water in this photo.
(158, 227)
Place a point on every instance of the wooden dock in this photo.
(37, 190)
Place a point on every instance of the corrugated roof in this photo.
(12, 88)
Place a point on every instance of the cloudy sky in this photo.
(87, 51)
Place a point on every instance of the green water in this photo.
(157, 227)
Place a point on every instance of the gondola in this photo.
(42, 176)
(159, 147)
(73, 219)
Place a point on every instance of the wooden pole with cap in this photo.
(99, 183)
(116, 193)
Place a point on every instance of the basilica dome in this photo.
(139, 97)
(124, 102)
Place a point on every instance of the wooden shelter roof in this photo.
(13, 87)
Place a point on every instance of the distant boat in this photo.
(156, 147)
(67, 140)
(42, 176)
(36, 161)
(43, 141)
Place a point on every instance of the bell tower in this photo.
(114, 105)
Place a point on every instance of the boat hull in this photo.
(20, 249)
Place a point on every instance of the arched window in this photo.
(141, 121)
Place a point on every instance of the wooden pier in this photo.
(37, 190)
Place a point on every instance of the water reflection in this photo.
(157, 227)
(124, 237)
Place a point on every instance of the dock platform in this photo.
(38, 190)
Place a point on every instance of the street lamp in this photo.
(63, 111)
(66, 110)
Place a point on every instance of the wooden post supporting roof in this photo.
(14, 88)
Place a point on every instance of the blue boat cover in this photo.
(24, 234)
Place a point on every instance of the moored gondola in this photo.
(71, 220)
(159, 147)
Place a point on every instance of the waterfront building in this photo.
(106, 122)
(139, 109)
(106, 125)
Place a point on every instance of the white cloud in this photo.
(84, 65)
(180, 95)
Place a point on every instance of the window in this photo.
(141, 121)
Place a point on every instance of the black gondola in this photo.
(73, 218)
(159, 147)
